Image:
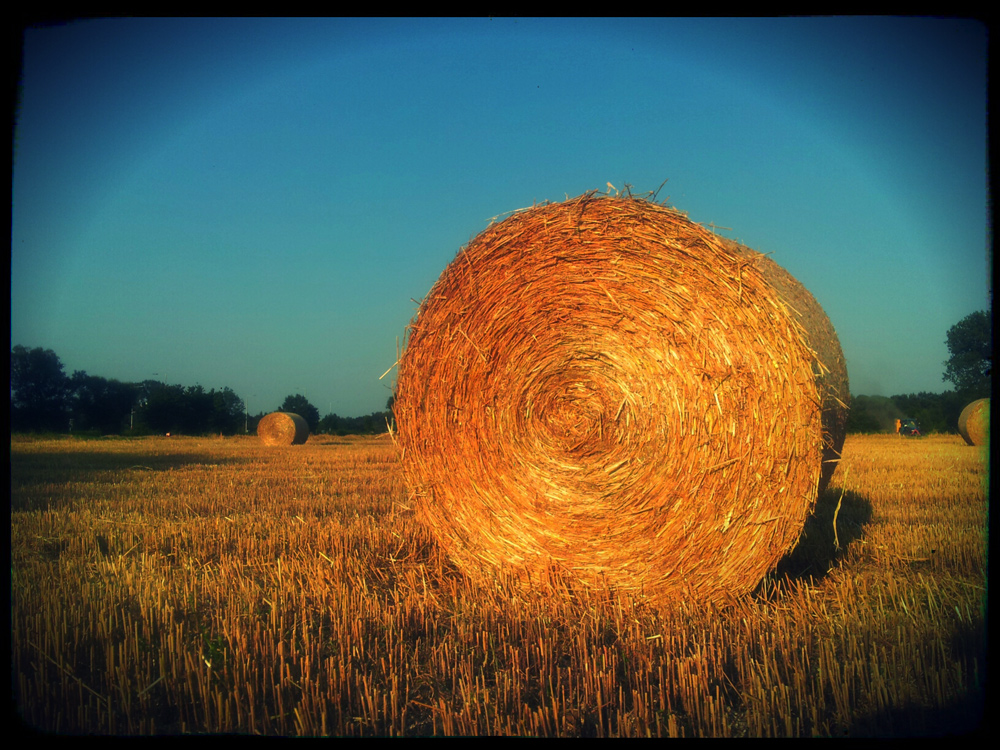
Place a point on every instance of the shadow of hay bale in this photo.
(963, 716)
(816, 550)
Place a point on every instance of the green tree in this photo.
(197, 409)
(101, 404)
(929, 409)
(331, 424)
(390, 413)
(300, 405)
(970, 342)
(871, 414)
(162, 406)
(39, 390)
(228, 417)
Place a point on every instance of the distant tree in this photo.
(375, 423)
(100, 404)
(227, 412)
(300, 405)
(952, 403)
(197, 410)
(252, 420)
(870, 414)
(331, 424)
(390, 414)
(39, 390)
(970, 342)
(162, 407)
(935, 412)
(929, 409)
(189, 411)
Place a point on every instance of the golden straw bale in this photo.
(974, 422)
(604, 390)
(829, 366)
(283, 428)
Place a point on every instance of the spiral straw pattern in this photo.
(283, 428)
(974, 422)
(604, 390)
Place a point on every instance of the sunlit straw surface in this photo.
(604, 389)
(186, 585)
(283, 428)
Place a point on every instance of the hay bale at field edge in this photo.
(605, 389)
(974, 422)
(829, 365)
(283, 428)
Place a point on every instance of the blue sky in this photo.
(257, 203)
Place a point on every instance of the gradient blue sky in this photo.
(257, 203)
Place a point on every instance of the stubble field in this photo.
(182, 585)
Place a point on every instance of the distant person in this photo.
(899, 424)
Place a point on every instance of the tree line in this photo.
(934, 412)
(968, 368)
(44, 399)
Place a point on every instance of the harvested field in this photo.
(190, 586)
(603, 391)
(829, 365)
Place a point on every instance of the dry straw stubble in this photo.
(283, 428)
(603, 389)
(974, 422)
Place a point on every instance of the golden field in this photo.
(184, 585)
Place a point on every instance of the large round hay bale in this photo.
(829, 366)
(283, 428)
(974, 422)
(605, 389)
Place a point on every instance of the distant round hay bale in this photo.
(283, 428)
(974, 422)
(605, 389)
